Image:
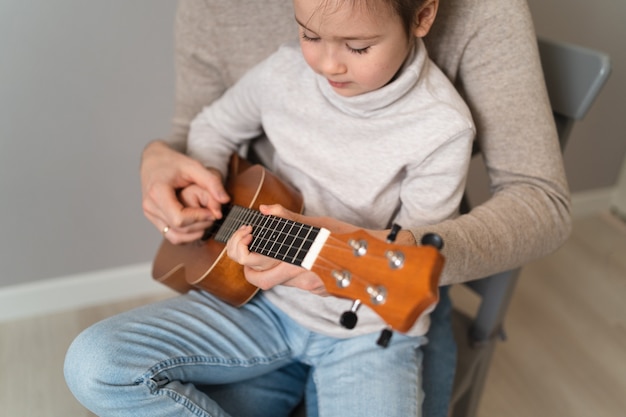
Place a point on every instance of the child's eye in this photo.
(358, 51)
(309, 38)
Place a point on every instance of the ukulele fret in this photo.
(281, 242)
(282, 239)
(267, 242)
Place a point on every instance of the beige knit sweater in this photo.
(488, 49)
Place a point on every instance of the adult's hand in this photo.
(165, 174)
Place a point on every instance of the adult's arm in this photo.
(497, 70)
(216, 42)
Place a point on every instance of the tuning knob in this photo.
(384, 338)
(349, 318)
(432, 239)
(393, 233)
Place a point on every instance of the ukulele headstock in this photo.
(398, 282)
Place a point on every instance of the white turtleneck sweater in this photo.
(398, 154)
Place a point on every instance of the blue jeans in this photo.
(439, 359)
(438, 367)
(196, 356)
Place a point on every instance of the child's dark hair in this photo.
(405, 9)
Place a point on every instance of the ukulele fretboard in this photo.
(282, 239)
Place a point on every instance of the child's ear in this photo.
(425, 17)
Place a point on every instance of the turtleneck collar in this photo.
(363, 105)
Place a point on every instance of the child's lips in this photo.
(338, 84)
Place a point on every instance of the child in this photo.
(364, 125)
(371, 133)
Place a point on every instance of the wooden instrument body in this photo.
(398, 282)
(204, 264)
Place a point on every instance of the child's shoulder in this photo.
(287, 55)
(286, 61)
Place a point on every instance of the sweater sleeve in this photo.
(231, 121)
(528, 215)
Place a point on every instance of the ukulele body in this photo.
(204, 264)
(399, 282)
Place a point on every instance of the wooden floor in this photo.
(565, 356)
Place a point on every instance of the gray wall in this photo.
(85, 84)
(598, 143)
(597, 146)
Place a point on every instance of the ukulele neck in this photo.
(286, 240)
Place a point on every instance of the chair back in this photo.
(574, 77)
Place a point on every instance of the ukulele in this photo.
(398, 282)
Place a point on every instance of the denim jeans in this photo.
(196, 356)
(438, 367)
(439, 359)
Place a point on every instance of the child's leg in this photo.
(277, 393)
(148, 361)
(360, 378)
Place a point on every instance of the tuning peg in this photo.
(349, 318)
(393, 233)
(384, 338)
(432, 239)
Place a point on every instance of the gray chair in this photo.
(574, 77)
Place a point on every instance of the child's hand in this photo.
(237, 249)
(264, 272)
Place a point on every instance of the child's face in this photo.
(356, 50)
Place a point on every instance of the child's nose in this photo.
(332, 64)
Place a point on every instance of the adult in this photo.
(488, 50)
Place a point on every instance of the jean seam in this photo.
(183, 401)
(207, 360)
(148, 378)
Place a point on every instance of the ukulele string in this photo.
(338, 244)
(266, 228)
(273, 236)
(355, 279)
(329, 266)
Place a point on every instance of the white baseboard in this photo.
(586, 203)
(77, 291)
